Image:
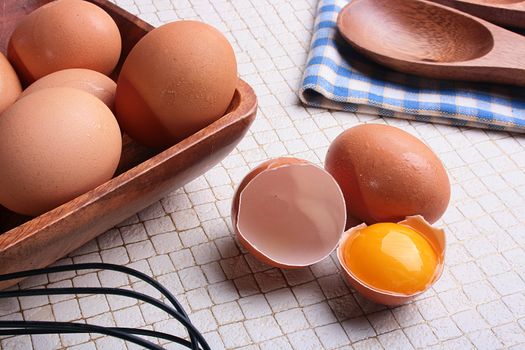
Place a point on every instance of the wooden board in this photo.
(144, 175)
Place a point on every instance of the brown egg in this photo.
(284, 221)
(10, 87)
(387, 174)
(178, 79)
(55, 144)
(64, 34)
(93, 82)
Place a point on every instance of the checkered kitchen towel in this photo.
(337, 77)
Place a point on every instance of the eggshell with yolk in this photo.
(434, 235)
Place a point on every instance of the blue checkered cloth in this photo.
(338, 78)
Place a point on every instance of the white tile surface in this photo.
(185, 240)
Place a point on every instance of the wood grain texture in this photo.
(509, 13)
(144, 175)
(423, 38)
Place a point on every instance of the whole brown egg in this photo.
(386, 174)
(64, 34)
(55, 144)
(93, 82)
(176, 80)
(10, 87)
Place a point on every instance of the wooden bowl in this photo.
(143, 177)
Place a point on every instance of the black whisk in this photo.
(196, 342)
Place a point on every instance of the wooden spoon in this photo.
(423, 38)
(504, 12)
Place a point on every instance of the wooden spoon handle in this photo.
(468, 71)
(504, 13)
(499, 75)
(504, 63)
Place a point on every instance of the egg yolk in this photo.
(392, 258)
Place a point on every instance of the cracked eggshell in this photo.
(90, 81)
(435, 236)
(288, 213)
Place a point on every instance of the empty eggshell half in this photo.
(435, 236)
(289, 213)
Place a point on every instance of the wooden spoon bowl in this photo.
(423, 38)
